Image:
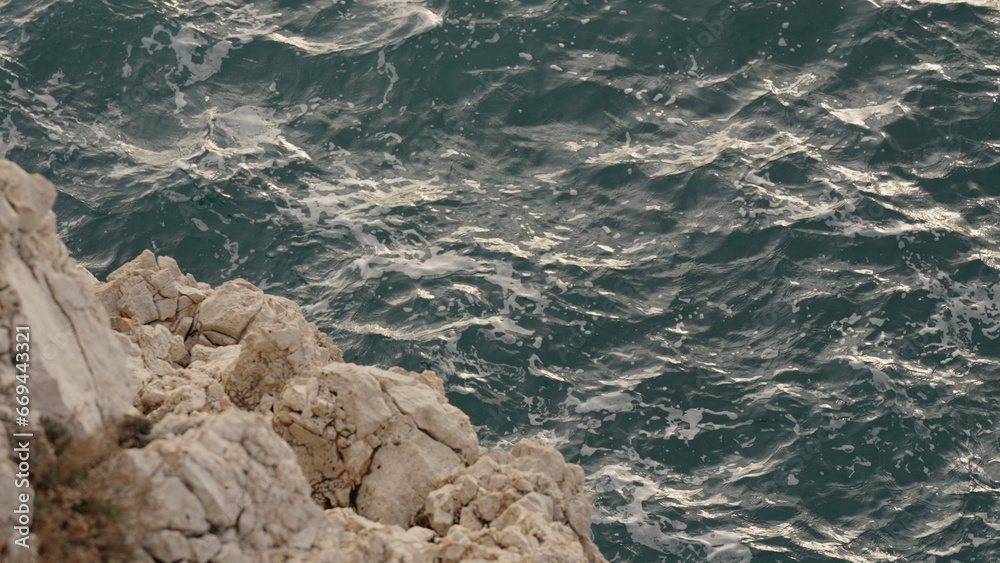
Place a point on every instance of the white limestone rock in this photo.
(527, 500)
(150, 289)
(27, 200)
(205, 548)
(187, 393)
(136, 301)
(227, 489)
(231, 553)
(216, 363)
(168, 545)
(402, 473)
(360, 540)
(162, 352)
(77, 367)
(213, 474)
(266, 338)
(278, 345)
(228, 311)
(195, 294)
(432, 414)
(385, 438)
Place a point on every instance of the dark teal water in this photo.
(738, 260)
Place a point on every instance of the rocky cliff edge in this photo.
(266, 445)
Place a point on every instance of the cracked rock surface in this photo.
(267, 446)
(77, 372)
(75, 366)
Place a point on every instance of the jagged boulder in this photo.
(528, 500)
(222, 479)
(226, 489)
(226, 313)
(384, 439)
(275, 348)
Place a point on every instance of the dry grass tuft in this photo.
(86, 502)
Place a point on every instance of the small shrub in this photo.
(86, 501)
(133, 431)
(55, 432)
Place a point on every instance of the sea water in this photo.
(738, 260)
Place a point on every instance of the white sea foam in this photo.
(369, 25)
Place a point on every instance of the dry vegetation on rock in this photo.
(86, 500)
